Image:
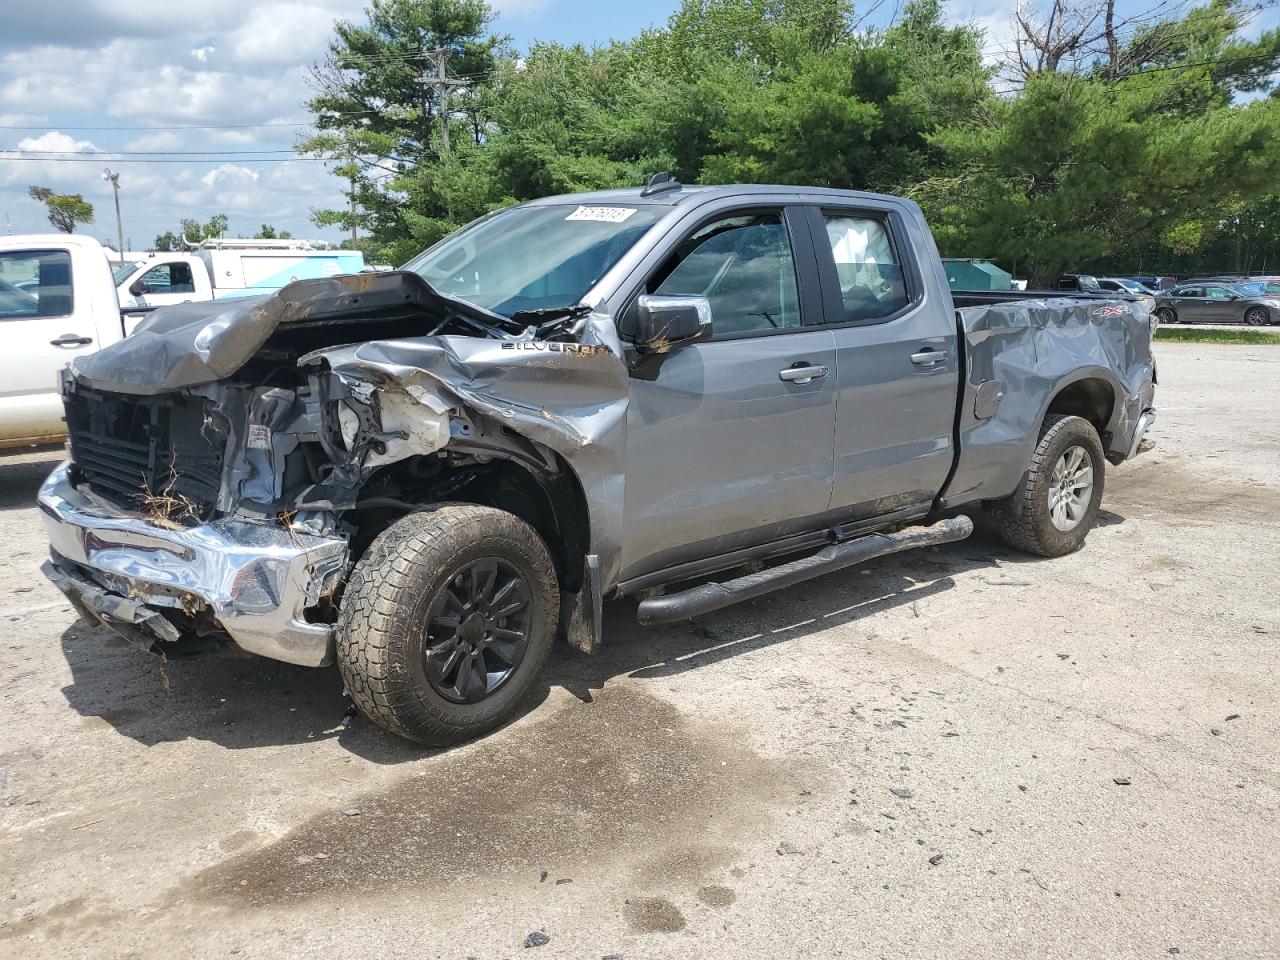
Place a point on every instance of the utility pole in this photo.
(442, 83)
(114, 179)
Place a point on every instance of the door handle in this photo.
(802, 373)
(929, 358)
(71, 340)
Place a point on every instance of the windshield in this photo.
(124, 271)
(533, 258)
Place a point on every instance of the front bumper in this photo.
(256, 579)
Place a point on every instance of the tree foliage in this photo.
(191, 230)
(65, 210)
(1139, 143)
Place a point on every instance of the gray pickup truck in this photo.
(685, 395)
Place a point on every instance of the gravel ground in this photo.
(956, 753)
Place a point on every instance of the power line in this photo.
(112, 154)
(95, 159)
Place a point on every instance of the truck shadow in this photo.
(22, 472)
(244, 702)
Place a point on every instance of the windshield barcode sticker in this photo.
(602, 214)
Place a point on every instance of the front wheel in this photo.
(1166, 316)
(447, 623)
(1057, 502)
(1256, 316)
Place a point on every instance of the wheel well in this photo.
(1093, 399)
(549, 500)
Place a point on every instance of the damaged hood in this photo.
(192, 344)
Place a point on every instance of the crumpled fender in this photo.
(570, 397)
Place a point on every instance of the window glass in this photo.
(871, 282)
(35, 283)
(533, 258)
(169, 278)
(743, 266)
(125, 271)
(1189, 292)
(1219, 293)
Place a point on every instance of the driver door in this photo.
(730, 441)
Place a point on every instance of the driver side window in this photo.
(744, 267)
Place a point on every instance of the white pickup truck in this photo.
(60, 298)
(221, 269)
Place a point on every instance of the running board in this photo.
(712, 596)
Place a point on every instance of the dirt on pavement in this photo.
(956, 752)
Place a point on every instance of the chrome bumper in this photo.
(257, 579)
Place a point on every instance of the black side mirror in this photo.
(138, 288)
(663, 322)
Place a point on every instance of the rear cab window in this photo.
(35, 284)
(868, 273)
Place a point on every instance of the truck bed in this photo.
(1022, 348)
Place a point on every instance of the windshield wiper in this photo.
(551, 320)
(543, 314)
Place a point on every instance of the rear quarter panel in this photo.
(1032, 350)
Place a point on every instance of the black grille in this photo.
(133, 449)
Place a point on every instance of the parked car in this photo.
(1155, 284)
(1125, 285)
(1079, 281)
(686, 396)
(1218, 303)
(1268, 285)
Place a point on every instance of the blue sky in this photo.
(229, 76)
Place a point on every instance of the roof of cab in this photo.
(677, 195)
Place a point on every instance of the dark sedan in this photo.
(1218, 303)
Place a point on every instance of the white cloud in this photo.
(224, 76)
(56, 142)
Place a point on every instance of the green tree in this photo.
(379, 121)
(268, 232)
(65, 210)
(1097, 171)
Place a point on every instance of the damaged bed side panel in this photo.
(1021, 355)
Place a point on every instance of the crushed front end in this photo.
(228, 463)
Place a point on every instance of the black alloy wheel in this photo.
(477, 630)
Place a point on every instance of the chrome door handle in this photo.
(71, 340)
(802, 374)
(928, 358)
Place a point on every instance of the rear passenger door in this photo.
(729, 441)
(896, 363)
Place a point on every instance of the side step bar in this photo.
(712, 596)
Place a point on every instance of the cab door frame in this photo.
(663, 528)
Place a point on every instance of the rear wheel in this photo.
(1165, 315)
(447, 623)
(1057, 502)
(1256, 316)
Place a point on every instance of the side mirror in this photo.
(138, 288)
(663, 322)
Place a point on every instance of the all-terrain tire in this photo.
(1023, 519)
(383, 623)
